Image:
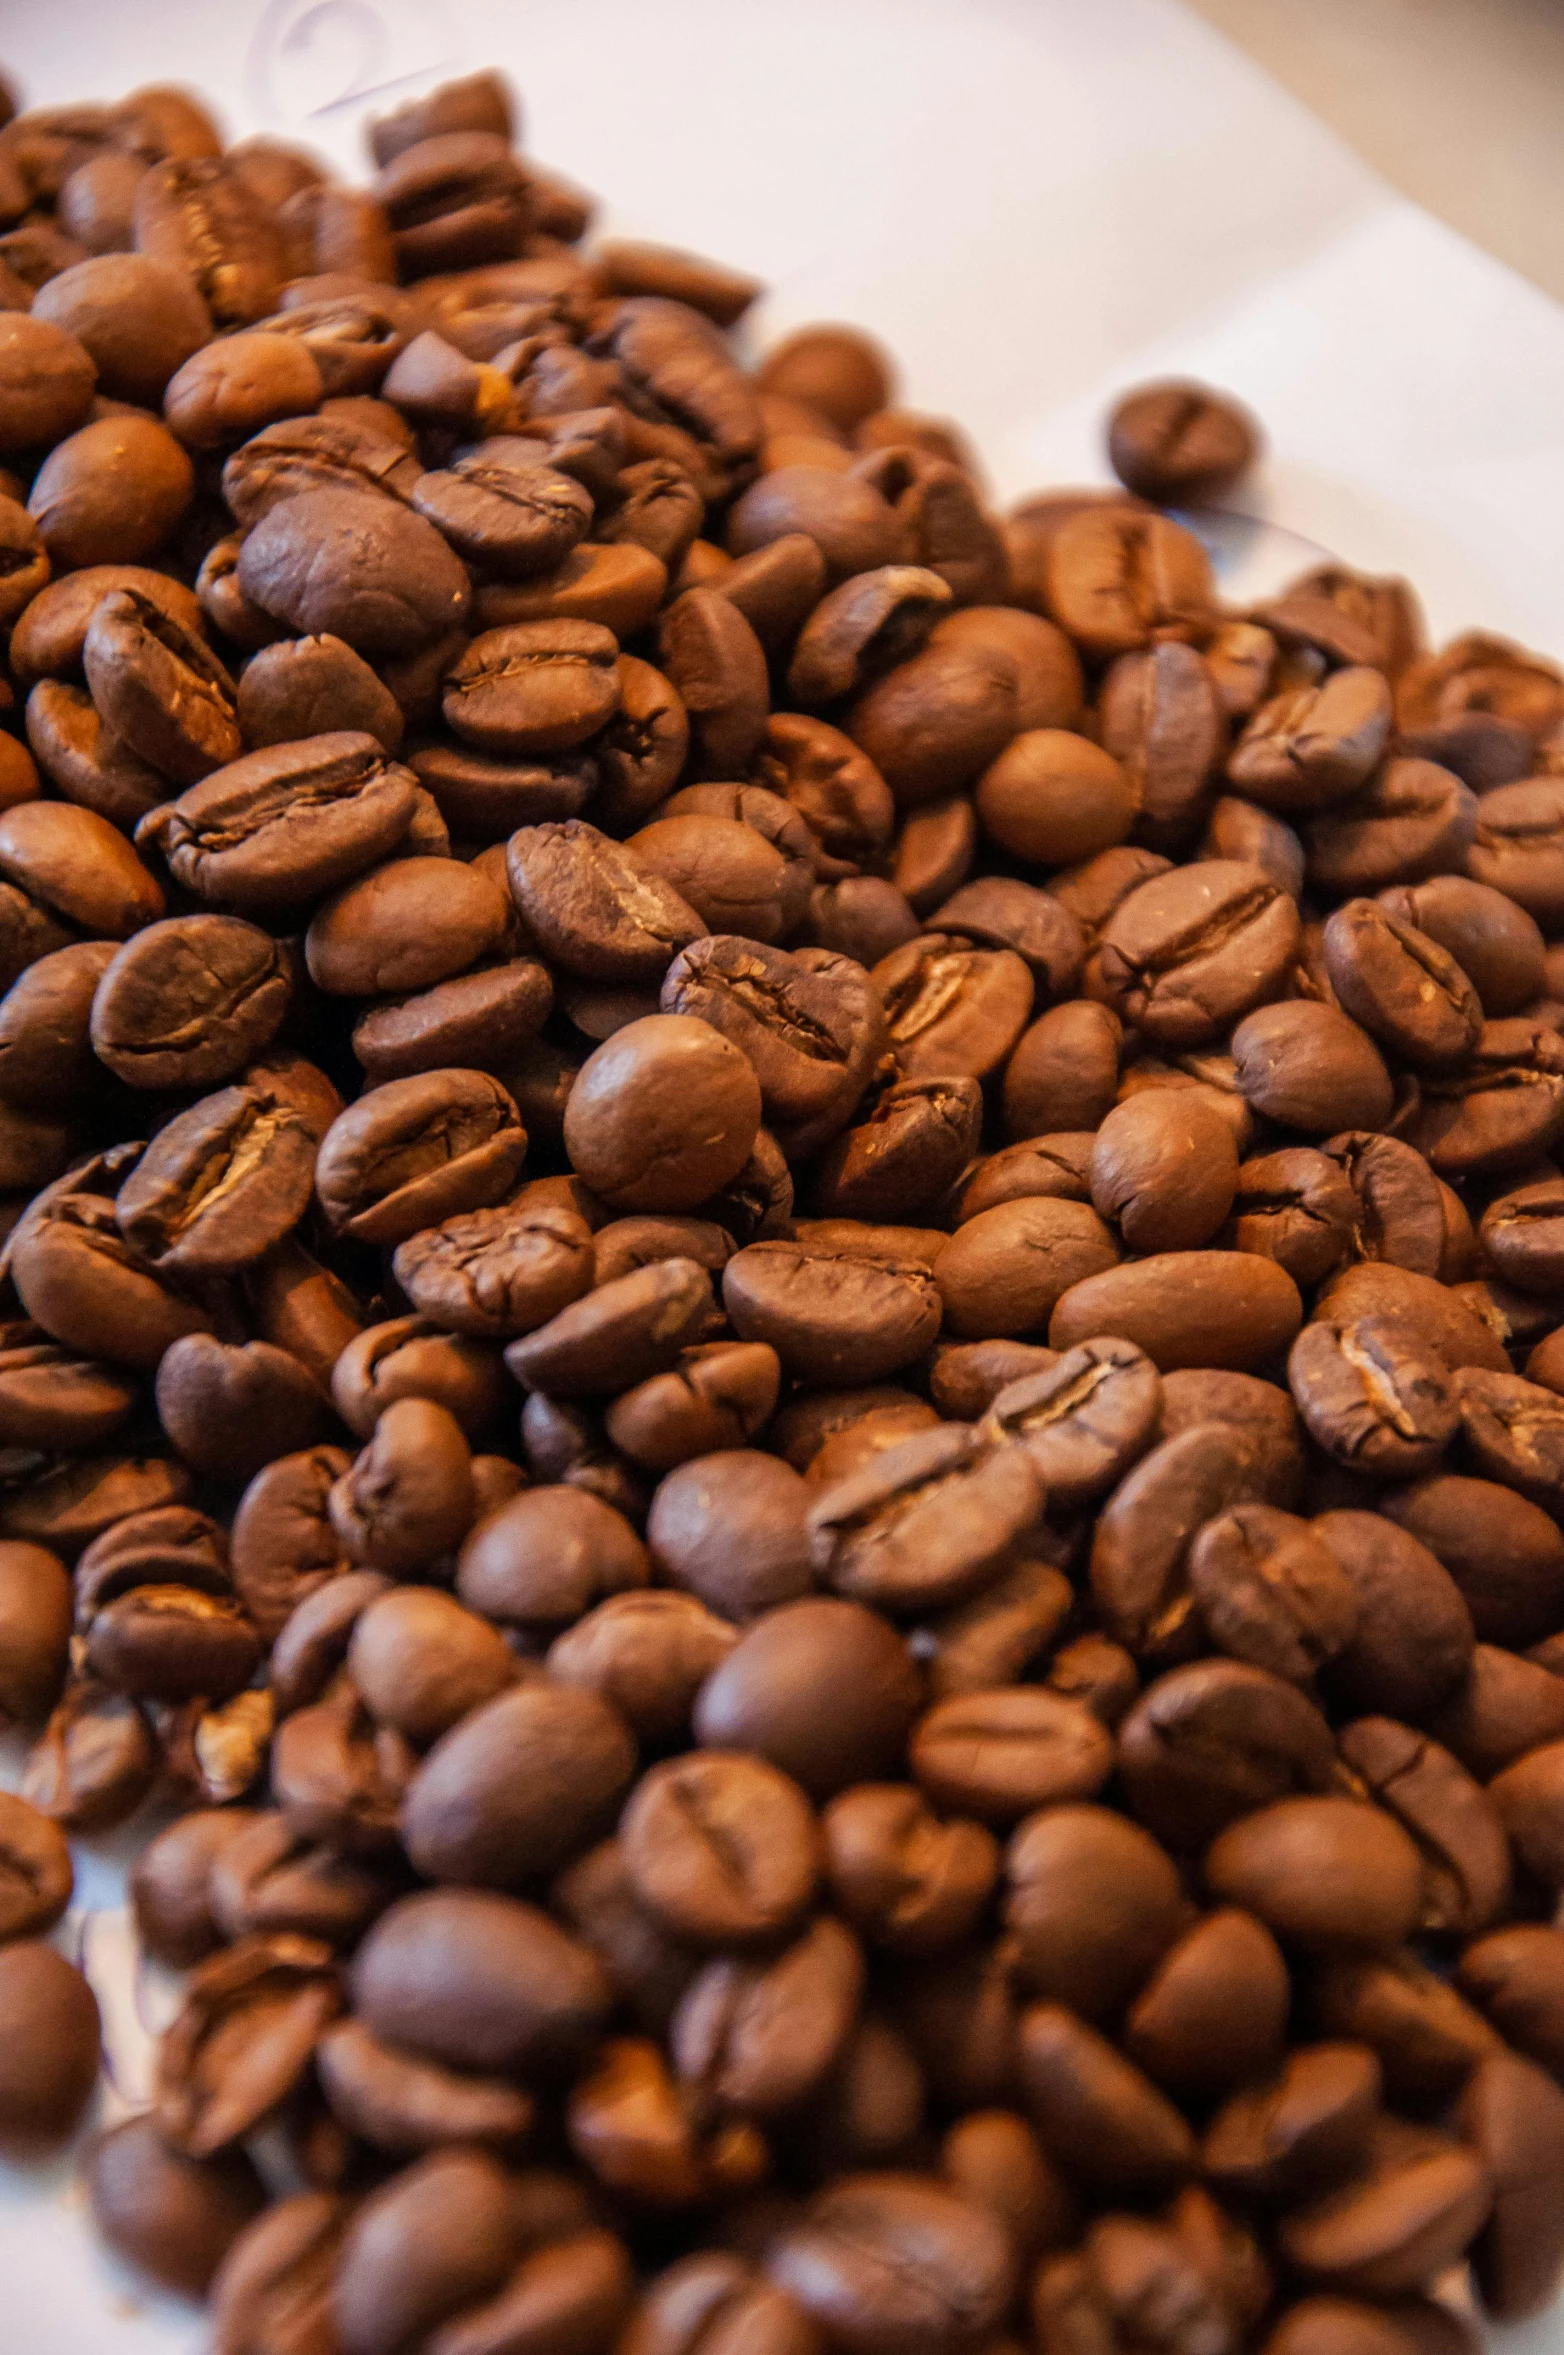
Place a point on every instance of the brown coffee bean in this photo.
(439, 2237)
(821, 1688)
(929, 1522)
(1117, 578)
(1164, 1168)
(517, 1787)
(1491, 939)
(663, 1114)
(172, 2218)
(1515, 1976)
(1207, 1743)
(1187, 952)
(1092, 1905)
(1005, 1271)
(1309, 2125)
(1178, 443)
(111, 493)
(905, 1880)
(36, 1877)
(1084, 1421)
(1412, 820)
(721, 1848)
(1214, 2011)
(1271, 1592)
(48, 2048)
(1398, 2224)
(1466, 1862)
(1206, 1308)
(1373, 1396)
(1320, 1872)
(846, 2262)
(1526, 1795)
(997, 1755)
(1427, 2038)
(1095, 2114)
(1140, 1565)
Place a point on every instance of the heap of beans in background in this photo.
(987, 1773)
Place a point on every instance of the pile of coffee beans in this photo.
(784, 1318)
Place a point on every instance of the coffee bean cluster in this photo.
(783, 1309)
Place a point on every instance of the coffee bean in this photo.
(845, 2261)
(172, 2218)
(279, 827)
(48, 2048)
(722, 1849)
(1213, 2012)
(1373, 1395)
(1178, 442)
(1320, 1872)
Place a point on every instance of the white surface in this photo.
(1034, 202)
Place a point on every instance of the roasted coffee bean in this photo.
(1187, 952)
(1214, 2011)
(1178, 443)
(48, 2048)
(832, 1317)
(1491, 939)
(1084, 1421)
(906, 1881)
(1096, 2115)
(1308, 2125)
(1321, 1872)
(1270, 1592)
(929, 1522)
(1412, 820)
(1392, 2227)
(1296, 1207)
(1206, 1308)
(1505, 1554)
(518, 1787)
(846, 2262)
(1140, 1555)
(1207, 1743)
(811, 1023)
(721, 1848)
(1373, 1395)
(281, 826)
(624, 1331)
(1466, 1860)
(1413, 1641)
(171, 2217)
(414, 1151)
(361, 568)
(1116, 579)
(821, 1688)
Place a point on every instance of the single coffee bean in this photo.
(1208, 1743)
(1270, 1592)
(518, 1787)
(479, 1981)
(281, 826)
(846, 2262)
(929, 1522)
(48, 2048)
(821, 1688)
(1320, 1872)
(1213, 2013)
(721, 1848)
(1373, 1395)
(1308, 2125)
(1178, 443)
(172, 2218)
(1187, 952)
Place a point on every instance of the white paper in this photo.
(1034, 202)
